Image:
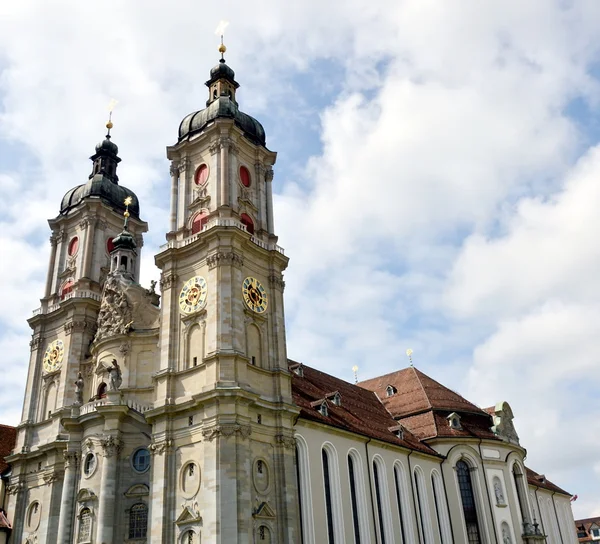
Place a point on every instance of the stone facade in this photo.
(174, 418)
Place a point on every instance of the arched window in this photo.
(376, 478)
(246, 220)
(200, 219)
(328, 498)
(66, 288)
(521, 487)
(84, 533)
(354, 499)
(400, 494)
(465, 484)
(304, 492)
(101, 391)
(423, 510)
(138, 521)
(189, 537)
(441, 510)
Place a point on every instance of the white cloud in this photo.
(444, 213)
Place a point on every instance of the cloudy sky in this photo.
(437, 184)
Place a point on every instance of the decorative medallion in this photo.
(193, 294)
(54, 356)
(255, 295)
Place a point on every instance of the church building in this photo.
(171, 414)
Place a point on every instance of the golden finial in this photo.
(355, 370)
(409, 353)
(111, 107)
(220, 31)
(127, 202)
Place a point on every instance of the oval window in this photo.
(245, 176)
(246, 220)
(109, 244)
(89, 464)
(141, 460)
(73, 246)
(201, 174)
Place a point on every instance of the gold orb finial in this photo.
(109, 125)
(222, 48)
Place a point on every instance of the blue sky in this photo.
(436, 186)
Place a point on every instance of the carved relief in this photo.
(174, 169)
(111, 445)
(51, 477)
(214, 148)
(276, 281)
(224, 258)
(288, 442)
(71, 458)
(158, 448)
(35, 342)
(15, 488)
(167, 281)
(269, 174)
(227, 430)
(115, 316)
(78, 326)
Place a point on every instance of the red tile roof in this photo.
(360, 410)
(8, 437)
(585, 526)
(423, 404)
(539, 480)
(416, 392)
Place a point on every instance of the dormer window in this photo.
(297, 369)
(390, 390)
(454, 421)
(398, 430)
(337, 399)
(596, 532)
(323, 409)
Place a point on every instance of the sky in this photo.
(436, 188)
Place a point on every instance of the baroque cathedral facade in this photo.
(178, 417)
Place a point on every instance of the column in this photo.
(62, 236)
(68, 492)
(269, 180)
(174, 170)
(182, 194)
(90, 225)
(53, 242)
(111, 446)
(225, 172)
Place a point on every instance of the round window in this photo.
(89, 464)
(245, 176)
(201, 174)
(141, 460)
(73, 246)
(261, 476)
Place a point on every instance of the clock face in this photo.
(54, 356)
(193, 295)
(255, 295)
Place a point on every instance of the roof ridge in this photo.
(417, 375)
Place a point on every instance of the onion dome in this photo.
(103, 182)
(125, 239)
(223, 107)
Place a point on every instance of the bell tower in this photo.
(223, 404)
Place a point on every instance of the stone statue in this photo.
(79, 390)
(153, 286)
(498, 492)
(114, 373)
(505, 535)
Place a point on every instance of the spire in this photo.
(106, 159)
(222, 81)
(125, 240)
